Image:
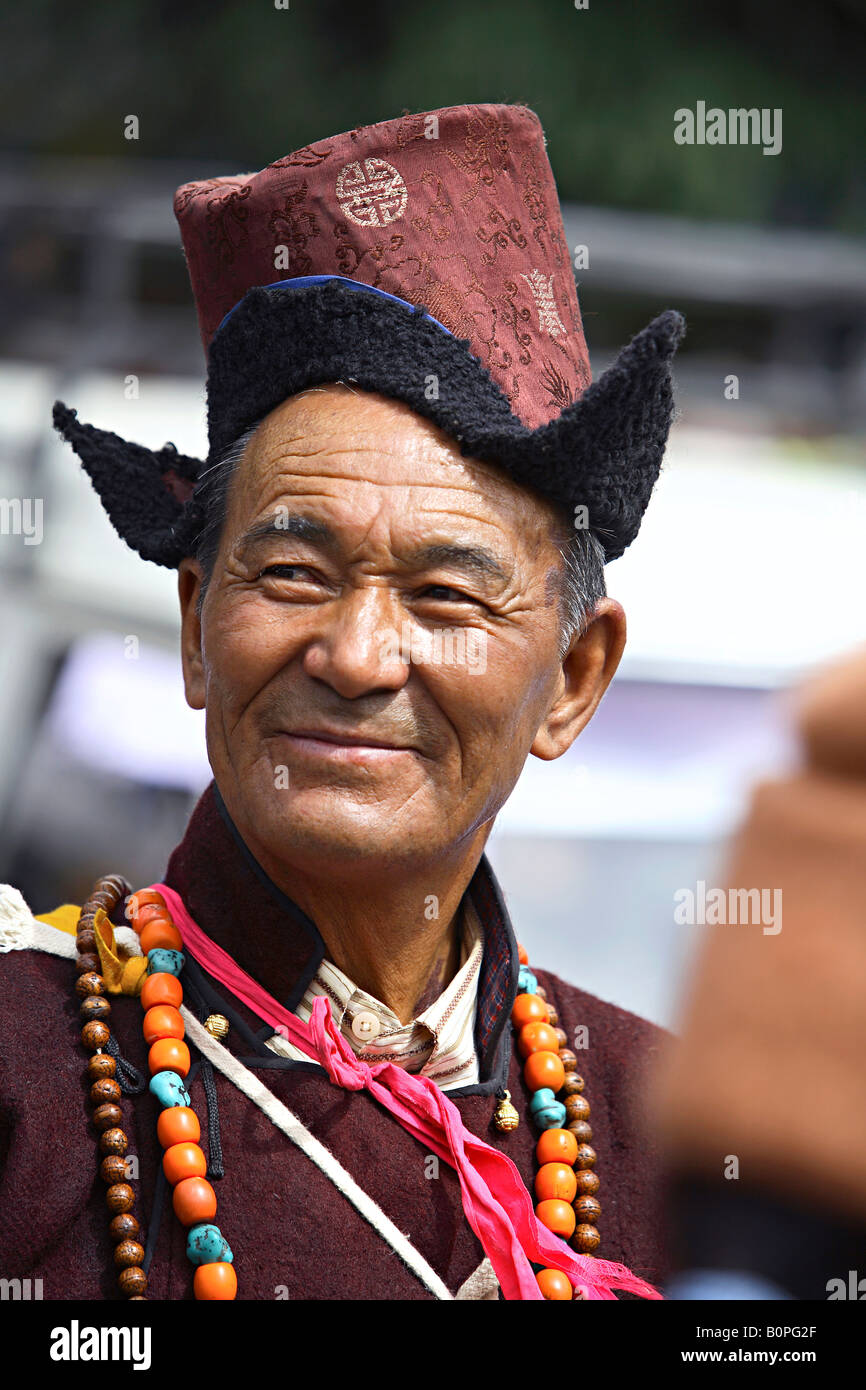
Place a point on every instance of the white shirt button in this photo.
(366, 1026)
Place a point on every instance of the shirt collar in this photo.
(439, 1042)
(230, 896)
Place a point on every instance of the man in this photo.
(391, 587)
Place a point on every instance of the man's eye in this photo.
(284, 571)
(446, 594)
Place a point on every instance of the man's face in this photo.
(374, 587)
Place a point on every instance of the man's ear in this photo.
(587, 670)
(189, 581)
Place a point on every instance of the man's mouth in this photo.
(343, 745)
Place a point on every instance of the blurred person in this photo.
(391, 586)
(761, 1103)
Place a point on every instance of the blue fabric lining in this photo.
(302, 282)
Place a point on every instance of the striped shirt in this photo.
(439, 1043)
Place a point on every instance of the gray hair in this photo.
(582, 583)
(582, 555)
(212, 496)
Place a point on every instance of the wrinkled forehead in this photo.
(338, 441)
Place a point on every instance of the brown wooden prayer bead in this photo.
(576, 1108)
(542, 993)
(102, 898)
(581, 1131)
(87, 962)
(124, 1226)
(587, 1209)
(111, 887)
(128, 1254)
(113, 1141)
(587, 1182)
(117, 881)
(561, 1038)
(574, 1084)
(107, 1116)
(94, 1007)
(95, 1035)
(89, 983)
(102, 1064)
(568, 1059)
(552, 1016)
(585, 1239)
(132, 1281)
(585, 1156)
(105, 1091)
(86, 941)
(120, 1197)
(113, 1170)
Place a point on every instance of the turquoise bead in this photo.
(169, 1089)
(526, 981)
(546, 1110)
(541, 1098)
(163, 962)
(207, 1245)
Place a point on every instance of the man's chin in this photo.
(328, 825)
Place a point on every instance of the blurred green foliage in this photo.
(241, 82)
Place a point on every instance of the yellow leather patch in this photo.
(64, 918)
(122, 973)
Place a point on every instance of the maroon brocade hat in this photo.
(424, 258)
(455, 211)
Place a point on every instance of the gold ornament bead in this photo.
(505, 1117)
(217, 1025)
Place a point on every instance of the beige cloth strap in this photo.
(478, 1285)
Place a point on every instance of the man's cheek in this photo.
(240, 651)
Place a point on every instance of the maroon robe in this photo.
(292, 1232)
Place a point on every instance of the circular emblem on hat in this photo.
(371, 192)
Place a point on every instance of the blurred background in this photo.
(751, 564)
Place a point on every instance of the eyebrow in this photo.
(474, 558)
(304, 527)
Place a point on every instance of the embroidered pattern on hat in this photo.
(545, 302)
(371, 192)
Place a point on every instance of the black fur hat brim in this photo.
(603, 452)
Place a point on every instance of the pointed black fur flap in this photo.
(145, 492)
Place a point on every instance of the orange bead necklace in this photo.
(178, 1130)
(565, 1183)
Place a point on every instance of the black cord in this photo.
(215, 1167)
(129, 1079)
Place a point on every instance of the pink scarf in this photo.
(497, 1204)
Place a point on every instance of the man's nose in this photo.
(358, 647)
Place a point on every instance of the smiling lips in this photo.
(345, 746)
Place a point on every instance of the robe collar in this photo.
(229, 895)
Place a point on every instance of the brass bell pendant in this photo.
(505, 1117)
